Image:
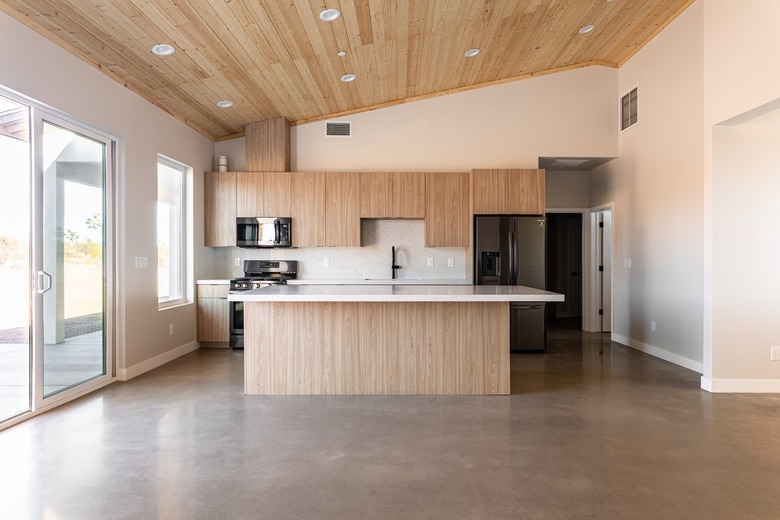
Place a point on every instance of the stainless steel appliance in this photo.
(264, 232)
(510, 250)
(257, 274)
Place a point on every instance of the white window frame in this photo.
(179, 260)
(620, 109)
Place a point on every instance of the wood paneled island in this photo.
(379, 339)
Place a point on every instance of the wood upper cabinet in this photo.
(342, 209)
(408, 195)
(213, 313)
(307, 208)
(249, 194)
(392, 195)
(447, 210)
(276, 194)
(268, 146)
(508, 192)
(220, 208)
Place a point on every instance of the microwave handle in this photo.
(277, 231)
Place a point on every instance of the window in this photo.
(171, 232)
(629, 109)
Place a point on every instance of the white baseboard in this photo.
(741, 386)
(157, 361)
(671, 357)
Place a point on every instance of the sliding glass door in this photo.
(55, 258)
(71, 280)
(15, 276)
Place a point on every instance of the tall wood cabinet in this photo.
(447, 210)
(220, 208)
(508, 192)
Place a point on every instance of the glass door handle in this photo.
(43, 276)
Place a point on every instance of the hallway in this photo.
(623, 435)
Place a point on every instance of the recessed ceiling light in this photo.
(346, 78)
(163, 49)
(328, 15)
(471, 53)
(586, 29)
(224, 103)
(342, 54)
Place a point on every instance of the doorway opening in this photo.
(564, 269)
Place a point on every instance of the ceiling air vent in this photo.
(338, 129)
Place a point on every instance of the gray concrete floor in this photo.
(618, 436)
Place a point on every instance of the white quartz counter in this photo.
(396, 293)
(213, 282)
(379, 281)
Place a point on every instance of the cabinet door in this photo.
(447, 210)
(213, 314)
(508, 192)
(220, 208)
(376, 195)
(408, 194)
(276, 194)
(249, 194)
(308, 208)
(342, 209)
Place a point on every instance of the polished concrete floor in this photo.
(618, 436)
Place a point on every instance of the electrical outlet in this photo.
(652, 326)
(430, 262)
(326, 262)
(142, 262)
(627, 263)
(237, 262)
(774, 353)
(171, 328)
(450, 262)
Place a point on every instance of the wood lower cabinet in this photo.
(308, 208)
(447, 210)
(508, 192)
(220, 208)
(342, 209)
(213, 313)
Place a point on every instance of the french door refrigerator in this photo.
(510, 250)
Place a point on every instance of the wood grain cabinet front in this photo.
(447, 210)
(342, 209)
(392, 195)
(508, 192)
(213, 314)
(220, 208)
(307, 202)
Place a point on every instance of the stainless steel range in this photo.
(257, 274)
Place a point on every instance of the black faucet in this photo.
(393, 266)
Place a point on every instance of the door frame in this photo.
(113, 299)
(594, 319)
(587, 248)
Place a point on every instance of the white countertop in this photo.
(396, 293)
(213, 282)
(379, 281)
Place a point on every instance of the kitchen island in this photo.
(379, 339)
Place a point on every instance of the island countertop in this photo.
(396, 293)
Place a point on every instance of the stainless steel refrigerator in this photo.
(510, 250)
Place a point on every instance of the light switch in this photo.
(142, 262)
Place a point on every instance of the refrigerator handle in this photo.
(512, 274)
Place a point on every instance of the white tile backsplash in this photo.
(370, 261)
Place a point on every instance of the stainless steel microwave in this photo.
(264, 232)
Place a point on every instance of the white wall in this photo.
(35, 67)
(656, 187)
(567, 189)
(741, 81)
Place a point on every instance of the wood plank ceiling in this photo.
(277, 58)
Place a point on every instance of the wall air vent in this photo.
(629, 109)
(338, 129)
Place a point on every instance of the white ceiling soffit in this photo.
(572, 164)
